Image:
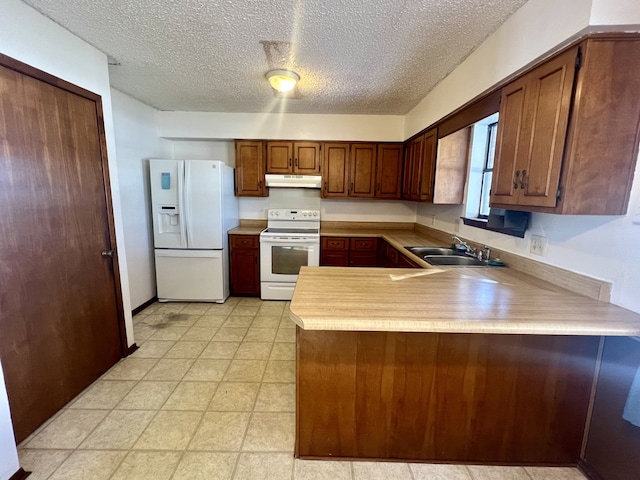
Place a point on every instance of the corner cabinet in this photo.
(419, 167)
(361, 170)
(568, 131)
(245, 265)
(250, 168)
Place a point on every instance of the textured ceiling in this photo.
(353, 56)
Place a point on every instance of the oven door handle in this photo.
(290, 240)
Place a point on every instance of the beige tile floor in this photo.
(209, 395)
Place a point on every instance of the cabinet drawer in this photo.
(335, 243)
(364, 243)
(244, 241)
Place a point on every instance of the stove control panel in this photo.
(293, 215)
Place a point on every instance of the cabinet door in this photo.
(306, 158)
(362, 170)
(389, 171)
(551, 88)
(362, 259)
(451, 167)
(335, 170)
(427, 163)
(511, 125)
(279, 157)
(250, 169)
(416, 167)
(244, 265)
(334, 258)
(407, 171)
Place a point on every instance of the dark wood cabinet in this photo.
(362, 170)
(250, 168)
(245, 265)
(334, 252)
(419, 165)
(532, 128)
(452, 165)
(613, 443)
(389, 257)
(568, 131)
(389, 171)
(335, 170)
(293, 157)
(363, 252)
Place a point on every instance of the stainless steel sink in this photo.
(424, 251)
(454, 261)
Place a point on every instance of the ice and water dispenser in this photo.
(166, 189)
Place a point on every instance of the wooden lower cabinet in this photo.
(502, 399)
(613, 444)
(245, 265)
(361, 252)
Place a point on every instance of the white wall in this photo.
(535, 28)
(136, 137)
(599, 246)
(9, 463)
(217, 126)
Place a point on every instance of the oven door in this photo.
(282, 257)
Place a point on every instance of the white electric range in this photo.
(291, 241)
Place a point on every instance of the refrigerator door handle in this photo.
(181, 199)
(187, 202)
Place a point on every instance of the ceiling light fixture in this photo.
(282, 80)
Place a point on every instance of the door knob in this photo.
(108, 253)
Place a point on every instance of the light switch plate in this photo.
(538, 245)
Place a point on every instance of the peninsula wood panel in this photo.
(443, 397)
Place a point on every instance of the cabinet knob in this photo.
(515, 179)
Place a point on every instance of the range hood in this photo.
(293, 181)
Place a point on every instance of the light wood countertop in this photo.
(489, 300)
(246, 230)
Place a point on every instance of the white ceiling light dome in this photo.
(282, 80)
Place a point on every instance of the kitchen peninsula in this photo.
(477, 365)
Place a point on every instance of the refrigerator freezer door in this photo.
(191, 275)
(167, 180)
(203, 203)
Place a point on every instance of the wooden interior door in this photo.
(60, 310)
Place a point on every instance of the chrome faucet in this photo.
(457, 240)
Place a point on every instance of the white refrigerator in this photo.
(193, 207)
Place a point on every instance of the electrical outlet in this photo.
(538, 245)
(433, 219)
(456, 225)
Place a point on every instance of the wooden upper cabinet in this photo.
(293, 157)
(250, 169)
(582, 164)
(427, 165)
(335, 170)
(306, 158)
(532, 129)
(419, 164)
(362, 170)
(279, 157)
(389, 171)
(451, 167)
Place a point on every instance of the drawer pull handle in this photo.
(515, 180)
(523, 181)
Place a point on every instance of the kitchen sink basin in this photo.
(423, 251)
(443, 256)
(454, 261)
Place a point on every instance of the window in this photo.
(487, 170)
